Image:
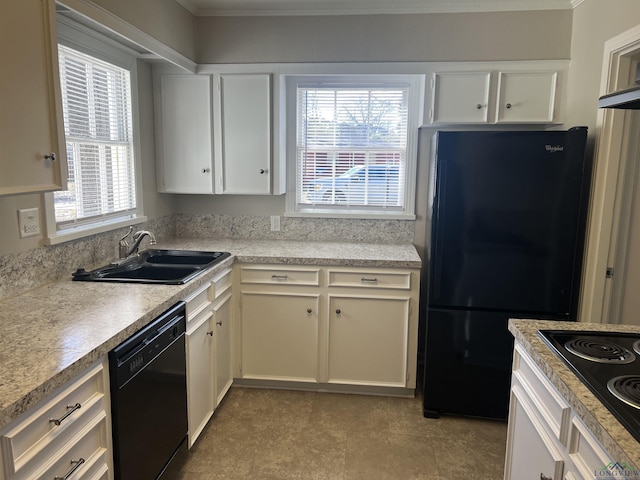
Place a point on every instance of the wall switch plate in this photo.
(29, 222)
(275, 223)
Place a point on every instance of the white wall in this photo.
(165, 20)
(531, 35)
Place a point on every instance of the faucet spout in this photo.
(137, 239)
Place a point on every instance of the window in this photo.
(98, 126)
(354, 151)
(97, 82)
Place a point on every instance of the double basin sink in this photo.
(168, 267)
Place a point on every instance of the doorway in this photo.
(612, 266)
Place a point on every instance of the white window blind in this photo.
(98, 126)
(351, 146)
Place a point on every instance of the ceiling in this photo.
(359, 7)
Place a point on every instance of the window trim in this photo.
(83, 39)
(416, 84)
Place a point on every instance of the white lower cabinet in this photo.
(331, 326)
(368, 340)
(223, 317)
(200, 377)
(533, 452)
(67, 436)
(280, 336)
(208, 350)
(545, 439)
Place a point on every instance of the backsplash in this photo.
(26, 270)
(295, 228)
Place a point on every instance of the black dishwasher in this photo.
(149, 399)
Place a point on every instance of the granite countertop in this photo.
(614, 437)
(52, 333)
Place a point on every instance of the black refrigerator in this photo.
(507, 232)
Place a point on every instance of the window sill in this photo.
(353, 215)
(69, 234)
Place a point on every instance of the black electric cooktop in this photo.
(609, 364)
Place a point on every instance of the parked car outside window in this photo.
(360, 185)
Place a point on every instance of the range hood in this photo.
(628, 98)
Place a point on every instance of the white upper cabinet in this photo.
(460, 97)
(526, 97)
(184, 144)
(243, 134)
(496, 95)
(214, 133)
(31, 125)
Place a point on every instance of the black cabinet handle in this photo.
(76, 464)
(70, 410)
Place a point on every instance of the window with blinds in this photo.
(98, 126)
(351, 146)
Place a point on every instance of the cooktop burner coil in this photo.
(601, 351)
(626, 388)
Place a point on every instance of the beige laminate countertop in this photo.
(610, 433)
(52, 333)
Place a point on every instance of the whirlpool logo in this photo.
(617, 471)
(554, 148)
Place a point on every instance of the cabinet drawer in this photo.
(277, 276)
(198, 301)
(586, 453)
(370, 279)
(36, 437)
(552, 408)
(86, 456)
(221, 283)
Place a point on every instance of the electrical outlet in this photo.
(275, 223)
(29, 222)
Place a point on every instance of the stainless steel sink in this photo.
(169, 267)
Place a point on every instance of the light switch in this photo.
(29, 222)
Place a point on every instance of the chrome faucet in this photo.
(137, 238)
(123, 246)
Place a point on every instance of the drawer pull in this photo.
(338, 311)
(219, 323)
(544, 477)
(210, 333)
(279, 277)
(70, 410)
(75, 464)
(309, 311)
(370, 280)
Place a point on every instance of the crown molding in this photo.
(206, 8)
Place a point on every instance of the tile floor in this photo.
(281, 435)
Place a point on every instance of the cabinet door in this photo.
(31, 112)
(200, 376)
(368, 338)
(530, 450)
(223, 365)
(460, 97)
(185, 146)
(526, 97)
(243, 134)
(280, 336)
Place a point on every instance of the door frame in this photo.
(612, 190)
